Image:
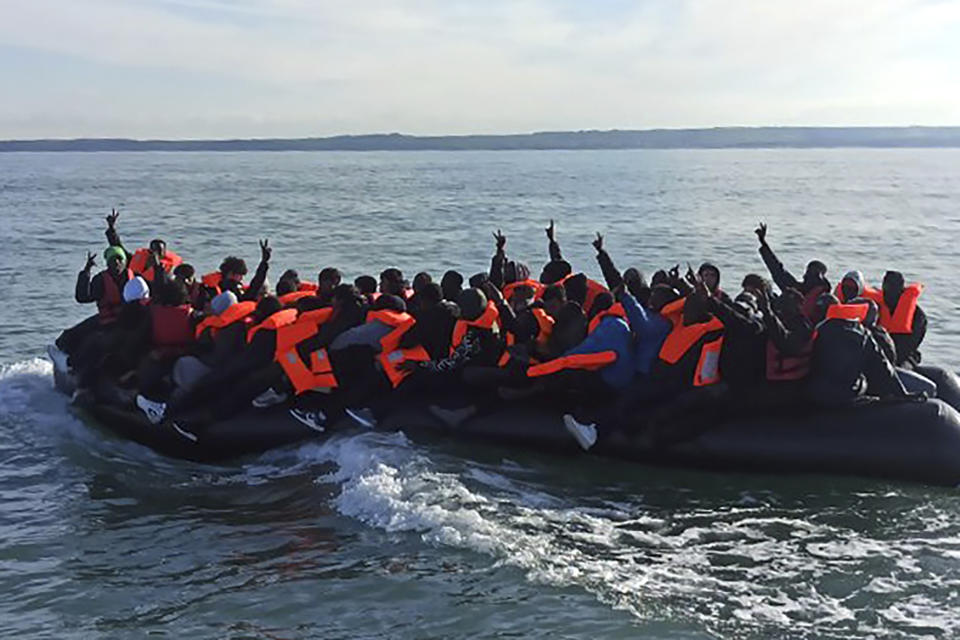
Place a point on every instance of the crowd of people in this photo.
(192, 350)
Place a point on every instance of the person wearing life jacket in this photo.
(451, 284)
(853, 285)
(710, 275)
(525, 324)
(902, 317)
(219, 337)
(257, 354)
(414, 302)
(231, 273)
(105, 289)
(435, 321)
(290, 294)
(367, 286)
(743, 356)
(813, 284)
(172, 334)
(392, 283)
(116, 352)
(847, 363)
(144, 260)
(789, 347)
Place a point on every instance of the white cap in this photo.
(136, 289)
(222, 302)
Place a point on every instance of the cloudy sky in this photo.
(256, 68)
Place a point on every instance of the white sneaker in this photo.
(363, 417)
(585, 434)
(58, 358)
(189, 435)
(153, 410)
(313, 419)
(269, 398)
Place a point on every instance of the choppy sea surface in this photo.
(373, 536)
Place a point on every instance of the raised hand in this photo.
(598, 243)
(674, 273)
(551, 231)
(91, 261)
(265, 250)
(691, 275)
(112, 218)
(763, 301)
(699, 287)
(761, 232)
(501, 240)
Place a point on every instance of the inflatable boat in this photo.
(916, 441)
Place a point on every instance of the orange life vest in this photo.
(594, 289)
(281, 318)
(291, 298)
(868, 292)
(391, 355)
(234, 313)
(616, 311)
(172, 326)
(545, 322)
(673, 311)
(214, 280)
(537, 287)
(900, 321)
(685, 337)
(308, 286)
(138, 263)
(487, 320)
(318, 373)
(841, 311)
(108, 306)
(584, 361)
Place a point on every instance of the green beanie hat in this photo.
(114, 252)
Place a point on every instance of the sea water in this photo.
(373, 536)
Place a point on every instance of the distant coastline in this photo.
(715, 138)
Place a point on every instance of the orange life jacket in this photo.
(138, 263)
(868, 292)
(594, 289)
(616, 311)
(537, 287)
(316, 374)
(545, 322)
(584, 361)
(685, 337)
(108, 306)
(391, 355)
(308, 286)
(673, 311)
(487, 320)
(900, 321)
(841, 311)
(214, 280)
(291, 298)
(237, 312)
(281, 318)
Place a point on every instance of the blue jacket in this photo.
(650, 329)
(612, 334)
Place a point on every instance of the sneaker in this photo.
(313, 419)
(153, 410)
(363, 417)
(189, 435)
(269, 398)
(585, 434)
(58, 358)
(452, 417)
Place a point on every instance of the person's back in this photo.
(847, 362)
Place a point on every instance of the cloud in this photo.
(195, 68)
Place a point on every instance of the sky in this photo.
(296, 68)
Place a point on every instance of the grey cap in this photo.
(222, 302)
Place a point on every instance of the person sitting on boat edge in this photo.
(847, 363)
(902, 317)
(105, 289)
